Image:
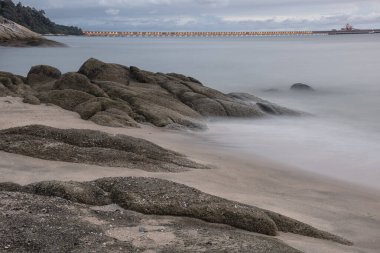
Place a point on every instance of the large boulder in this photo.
(206, 106)
(153, 104)
(117, 96)
(67, 99)
(42, 74)
(14, 79)
(12, 85)
(107, 112)
(4, 91)
(141, 75)
(168, 100)
(212, 103)
(98, 70)
(89, 108)
(79, 82)
(114, 118)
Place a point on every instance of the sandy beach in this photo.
(350, 211)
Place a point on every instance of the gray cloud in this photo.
(112, 12)
(206, 15)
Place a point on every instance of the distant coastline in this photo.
(15, 35)
(34, 20)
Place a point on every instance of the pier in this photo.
(194, 34)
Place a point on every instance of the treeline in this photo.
(34, 19)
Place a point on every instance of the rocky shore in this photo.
(129, 214)
(119, 96)
(15, 35)
(32, 223)
(132, 200)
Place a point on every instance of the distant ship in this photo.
(348, 29)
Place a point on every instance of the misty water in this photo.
(342, 137)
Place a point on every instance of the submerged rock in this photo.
(271, 90)
(92, 147)
(301, 87)
(265, 106)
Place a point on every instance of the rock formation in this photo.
(161, 197)
(92, 147)
(301, 87)
(13, 34)
(42, 74)
(129, 214)
(13, 85)
(116, 95)
(33, 223)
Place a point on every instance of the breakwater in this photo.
(194, 34)
(226, 34)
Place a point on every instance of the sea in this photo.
(340, 137)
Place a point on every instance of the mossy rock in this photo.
(67, 99)
(98, 70)
(41, 74)
(75, 81)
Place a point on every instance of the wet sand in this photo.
(341, 208)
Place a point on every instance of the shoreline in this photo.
(317, 149)
(328, 204)
(15, 35)
(39, 42)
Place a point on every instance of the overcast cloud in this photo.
(211, 15)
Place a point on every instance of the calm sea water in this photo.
(341, 139)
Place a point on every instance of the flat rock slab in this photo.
(161, 197)
(92, 147)
(32, 223)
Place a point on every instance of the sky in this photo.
(210, 15)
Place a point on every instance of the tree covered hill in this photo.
(34, 19)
